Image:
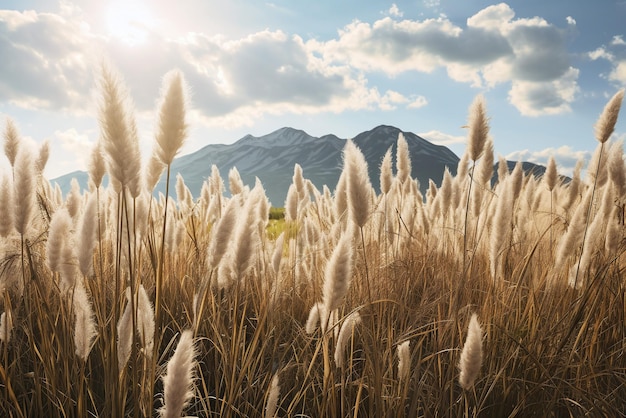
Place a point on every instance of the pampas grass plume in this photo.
(234, 182)
(42, 157)
(145, 322)
(471, 355)
(404, 360)
(85, 325)
(97, 166)
(178, 380)
(24, 190)
(58, 233)
(87, 236)
(550, 177)
(11, 141)
(386, 173)
(6, 326)
(316, 314)
(338, 273)
(172, 129)
(347, 329)
(119, 132)
(478, 128)
(125, 334)
(607, 120)
(403, 159)
(272, 399)
(223, 231)
(6, 206)
(359, 189)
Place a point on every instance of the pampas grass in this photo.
(272, 398)
(471, 355)
(255, 296)
(345, 334)
(11, 141)
(178, 380)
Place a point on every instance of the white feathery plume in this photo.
(24, 190)
(145, 321)
(403, 159)
(359, 189)
(178, 380)
(125, 334)
(404, 360)
(85, 325)
(11, 141)
(272, 398)
(42, 157)
(235, 183)
(386, 173)
(607, 120)
(58, 233)
(471, 355)
(97, 166)
(119, 133)
(6, 326)
(172, 129)
(88, 236)
(347, 329)
(6, 206)
(338, 274)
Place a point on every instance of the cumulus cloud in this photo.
(45, 60)
(49, 61)
(614, 54)
(494, 47)
(570, 20)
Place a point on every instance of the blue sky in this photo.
(546, 69)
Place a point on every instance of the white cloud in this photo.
(395, 11)
(618, 40)
(618, 73)
(441, 138)
(431, 4)
(77, 144)
(390, 99)
(537, 98)
(565, 156)
(417, 102)
(54, 59)
(599, 53)
(570, 20)
(493, 48)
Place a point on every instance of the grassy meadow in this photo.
(476, 299)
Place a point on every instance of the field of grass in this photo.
(474, 300)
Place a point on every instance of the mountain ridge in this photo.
(272, 157)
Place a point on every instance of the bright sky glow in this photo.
(129, 21)
(546, 69)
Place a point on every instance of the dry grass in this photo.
(547, 349)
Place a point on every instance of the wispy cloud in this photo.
(441, 138)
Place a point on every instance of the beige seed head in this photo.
(607, 120)
(471, 355)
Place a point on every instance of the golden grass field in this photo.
(474, 300)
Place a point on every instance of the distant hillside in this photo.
(272, 157)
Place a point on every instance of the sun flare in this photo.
(129, 21)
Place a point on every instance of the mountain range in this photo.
(272, 157)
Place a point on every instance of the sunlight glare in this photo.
(129, 21)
